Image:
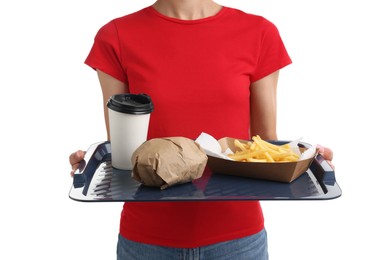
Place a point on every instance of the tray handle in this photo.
(322, 170)
(83, 175)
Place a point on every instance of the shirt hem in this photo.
(198, 242)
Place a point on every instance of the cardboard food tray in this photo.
(97, 181)
(278, 171)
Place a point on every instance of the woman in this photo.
(207, 68)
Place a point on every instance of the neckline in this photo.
(176, 20)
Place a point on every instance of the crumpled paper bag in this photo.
(163, 162)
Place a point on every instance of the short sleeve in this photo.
(272, 54)
(105, 54)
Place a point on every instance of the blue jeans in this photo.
(251, 247)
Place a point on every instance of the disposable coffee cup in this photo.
(129, 116)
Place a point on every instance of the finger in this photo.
(76, 157)
(74, 168)
(325, 152)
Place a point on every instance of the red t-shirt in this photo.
(198, 74)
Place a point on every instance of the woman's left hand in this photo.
(327, 154)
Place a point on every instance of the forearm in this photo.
(263, 107)
(266, 132)
(110, 86)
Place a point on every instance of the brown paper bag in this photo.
(163, 162)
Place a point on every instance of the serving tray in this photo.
(97, 181)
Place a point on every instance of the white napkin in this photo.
(211, 146)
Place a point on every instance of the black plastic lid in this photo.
(131, 103)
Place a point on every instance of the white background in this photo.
(51, 106)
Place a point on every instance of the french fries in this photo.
(259, 150)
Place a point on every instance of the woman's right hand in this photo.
(75, 160)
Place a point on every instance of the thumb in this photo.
(75, 159)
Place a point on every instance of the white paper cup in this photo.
(129, 116)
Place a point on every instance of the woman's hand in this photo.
(75, 160)
(327, 154)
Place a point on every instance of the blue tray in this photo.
(97, 181)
